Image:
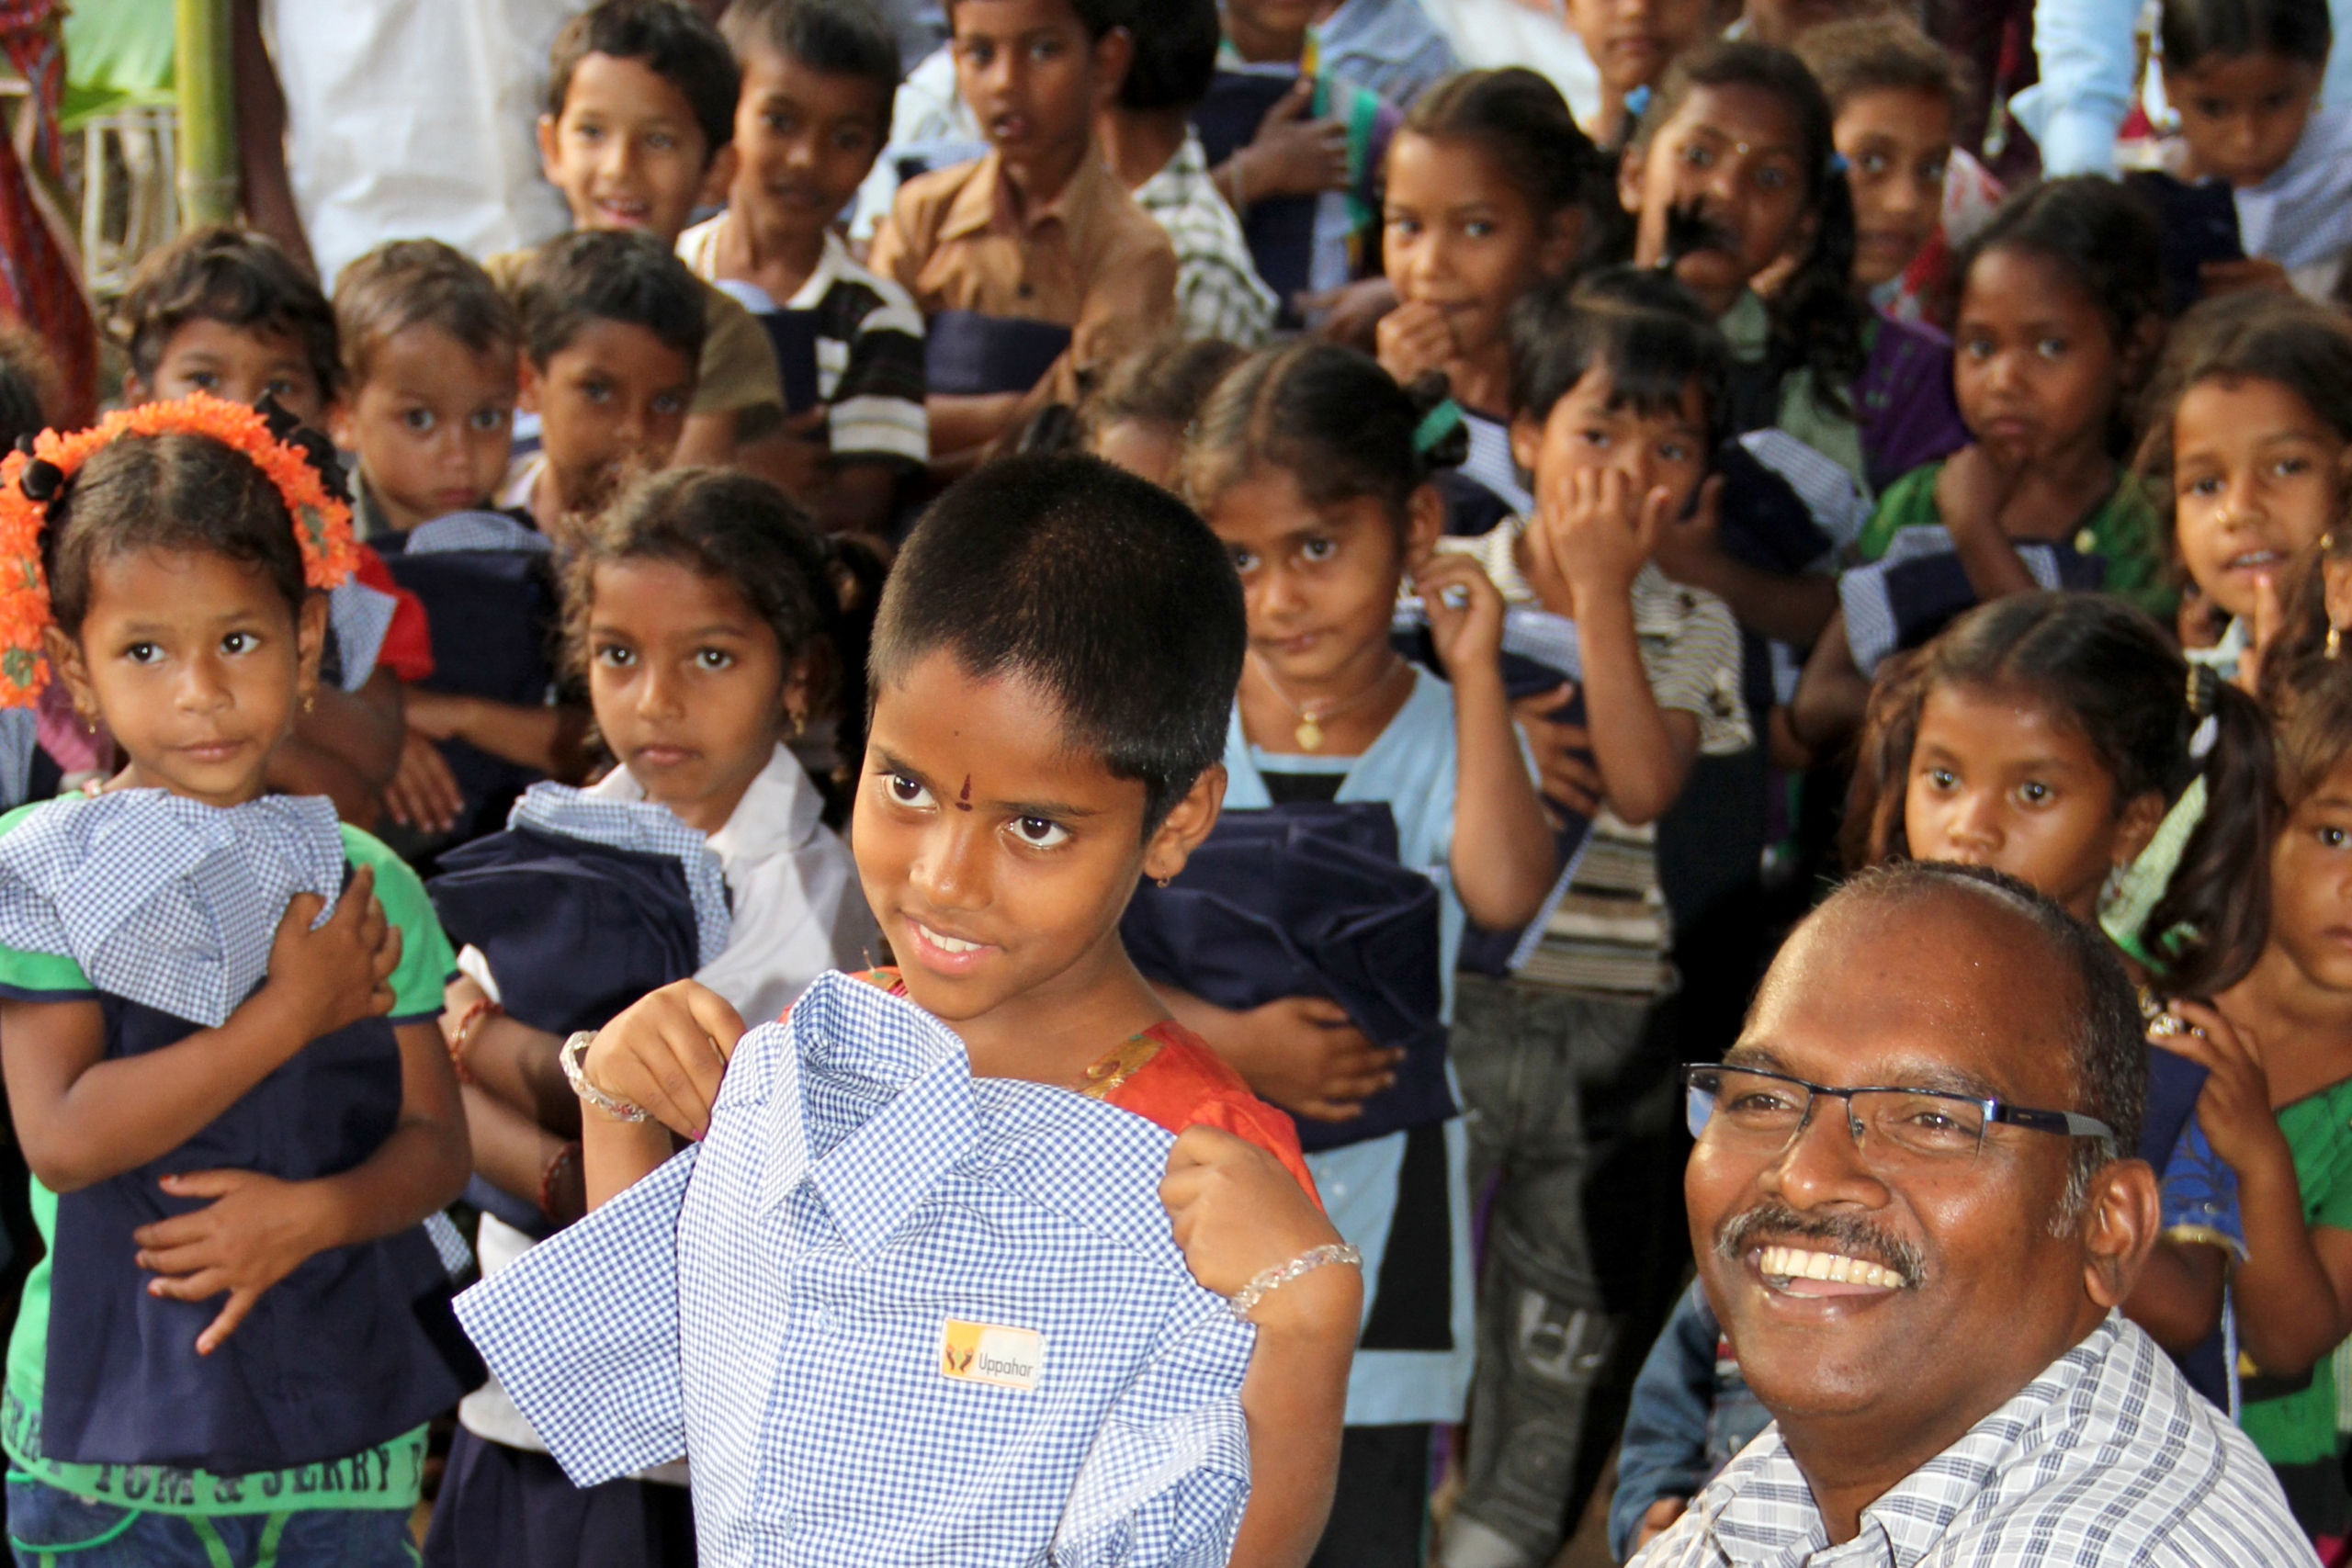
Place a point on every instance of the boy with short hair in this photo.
(637, 131)
(430, 348)
(613, 328)
(227, 311)
(1031, 265)
(931, 1351)
(819, 76)
(1149, 143)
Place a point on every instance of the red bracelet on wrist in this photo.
(567, 1154)
(469, 1024)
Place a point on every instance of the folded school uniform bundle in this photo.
(1919, 587)
(891, 1314)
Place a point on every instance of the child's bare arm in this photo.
(1971, 494)
(963, 427)
(517, 1156)
(1236, 1213)
(1789, 607)
(258, 1229)
(2294, 1289)
(1593, 532)
(514, 1062)
(1832, 695)
(82, 1119)
(541, 737)
(2178, 1298)
(1502, 846)
(665, 1054)
(1300, 1053)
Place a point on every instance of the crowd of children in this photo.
(1297, 619)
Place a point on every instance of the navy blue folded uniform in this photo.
(969, 355)
(1919, 587)
(793, 335)
(1308, 900)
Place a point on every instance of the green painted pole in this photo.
(207, 111)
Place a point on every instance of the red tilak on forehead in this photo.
(963, 801)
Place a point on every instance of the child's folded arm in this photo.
(545, 738)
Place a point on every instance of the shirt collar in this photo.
(981, 205)
(834, 261)
(1763, 1503)
(870, 1046)
(779, 813)
(1747, 326)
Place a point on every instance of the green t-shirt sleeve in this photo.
(2129, 537)
(427, 961)
(36, 976)
(1910, 502)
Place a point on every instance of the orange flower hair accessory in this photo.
(37, 473)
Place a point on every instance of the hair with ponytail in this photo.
(1816, 321)
(1334, 420)
(2110, 672)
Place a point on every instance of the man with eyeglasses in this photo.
(1915, 1219)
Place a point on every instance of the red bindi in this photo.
(963, 801)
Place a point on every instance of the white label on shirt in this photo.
(991, 1353)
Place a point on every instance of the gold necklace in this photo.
(1309, 733)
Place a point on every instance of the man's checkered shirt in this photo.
(773, 1304)
(2108, 1458)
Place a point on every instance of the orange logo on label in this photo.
(990, 1353)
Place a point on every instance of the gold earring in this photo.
(1166, 879)
(2335, 649)
(89, 724)
(309, 701)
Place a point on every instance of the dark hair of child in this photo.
(1102, 589)
(720, 524)
(1521, 118)
(832, 37)
(1333, 417)
(1881, 54)
(1097, 16)
(28, 383)
(173, 492)
(2251, 335)
(414, 283)
(673, 40)
(236, 277)
(1640, 325)
(2308, 694)
(2300, 644)
(606, 275)
(1175, 55)
(1816, 319)
(2194, 31)
(2109, 670)
(2096, 228)
(1164, 383)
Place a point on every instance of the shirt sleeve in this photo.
(877, 413)
(2199, 1195)
(583, 1332)
(427, 961)
(1130, 302)
(1664, 1452)
(39, 977)
(1697, 671)
(1168, 1476)
(2086, 51)
(738, 371)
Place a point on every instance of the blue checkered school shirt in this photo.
(774, 1306)
(164, 900)
(475, 531)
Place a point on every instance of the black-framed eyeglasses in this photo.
(1761, 1113)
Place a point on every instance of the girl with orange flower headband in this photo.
(219, 1004)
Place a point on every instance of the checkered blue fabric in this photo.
(475, 531)
(162, 899)
(772, 1304)
(2107, 1458)
(645, 829)
(455, 1256)
(20, 737)
(1872, 632)
(360, 616)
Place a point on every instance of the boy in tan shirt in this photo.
(1038, 237)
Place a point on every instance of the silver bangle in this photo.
(1243, 1302)
(577, 1076)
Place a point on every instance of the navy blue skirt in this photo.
(502, 1507)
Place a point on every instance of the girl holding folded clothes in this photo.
(218, 1010)
(701, 614)
(1314, 468)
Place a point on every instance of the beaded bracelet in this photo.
(567, 1154)
(469, 1024)
(577, 1076)
(1243, 1302)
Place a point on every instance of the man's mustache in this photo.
(1848, 1233)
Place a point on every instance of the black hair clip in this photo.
(2204, 690)
(41, 479)
(315, 448)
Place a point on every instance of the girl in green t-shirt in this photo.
(223, 1061)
